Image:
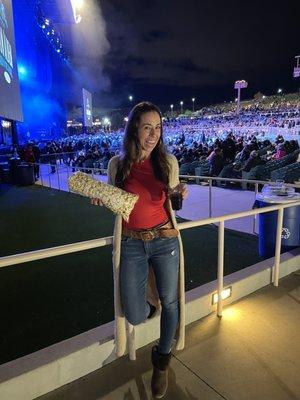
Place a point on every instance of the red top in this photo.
(149, 210)
(279, 154)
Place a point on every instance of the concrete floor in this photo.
(196, 206)
(224, 201)
(251, 353)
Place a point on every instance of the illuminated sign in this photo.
(6, 59)
(87, 108)
(10, 99)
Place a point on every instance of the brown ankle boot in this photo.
(159, 381)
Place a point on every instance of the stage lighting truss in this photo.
(50, 33)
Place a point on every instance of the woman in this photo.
(148, 239)
(280, 152)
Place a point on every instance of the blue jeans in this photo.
(163, 255)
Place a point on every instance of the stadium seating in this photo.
(263, 172)
(184, 169)
(264, 150)
(202, 170)
(289, 173)
(193, 166)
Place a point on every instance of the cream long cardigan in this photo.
(120, 326)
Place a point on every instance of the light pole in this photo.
(172, 106)
(181, 108)
(106, 123)
(193, 101)
(239, 85)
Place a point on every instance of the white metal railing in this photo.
(59, 169)
(90, 244)
(100, 171)
(210, 179)
(103, 171)
(58, 155)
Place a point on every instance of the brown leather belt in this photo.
(165, 230)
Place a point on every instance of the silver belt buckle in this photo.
(148, 235)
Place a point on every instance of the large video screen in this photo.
(87, 108)
(10, 100)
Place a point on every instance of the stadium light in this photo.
(193, 101)
(242, 84)
(297, 68)
(22, 72)
(130, 98)
(225, 294)
(171, 107)
(279, 91)
(126, 119)
(106, 121)
(77, 6)
(5, 124)
(181, 108)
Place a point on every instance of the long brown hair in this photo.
(132, 149)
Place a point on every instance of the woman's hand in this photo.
(180, 188)
(96, 202)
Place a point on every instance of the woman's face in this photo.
(149, 132)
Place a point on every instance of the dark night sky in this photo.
(170, 50)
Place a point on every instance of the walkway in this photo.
(252, 353)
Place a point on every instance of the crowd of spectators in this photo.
(217, 136)
(233, 155)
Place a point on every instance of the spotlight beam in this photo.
(76, 7)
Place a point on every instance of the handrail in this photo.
(89, 244)
(54, 251)
(180, 176)
(227, 217)
(68, 166)
(232, 179)
(255, 182)
(58, 154)
(80, 246)
(208, 178)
